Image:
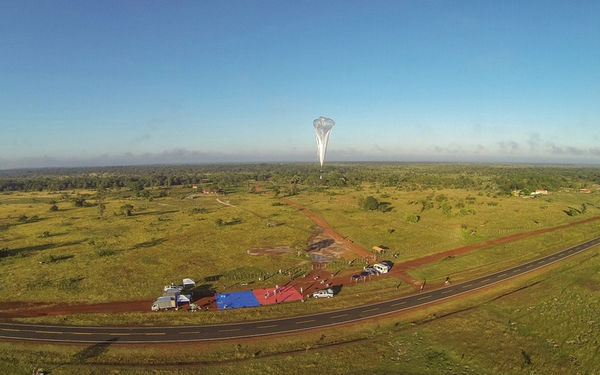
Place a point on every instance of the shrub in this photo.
(412, 218)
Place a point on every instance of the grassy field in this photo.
(474, 217)
(525, 326)
(546, 322)
(65, 255)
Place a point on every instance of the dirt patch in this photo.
(274, 250)
(351, 250)
(323, 245)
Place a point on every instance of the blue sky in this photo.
(85, 83)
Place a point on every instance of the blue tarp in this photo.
(234, 300)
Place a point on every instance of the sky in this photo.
(96, 83)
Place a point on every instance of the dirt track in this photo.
(22, 309)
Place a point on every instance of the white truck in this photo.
(164, 303)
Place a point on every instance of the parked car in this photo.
(325, 293)
(172, 286)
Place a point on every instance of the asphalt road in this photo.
(132, 335)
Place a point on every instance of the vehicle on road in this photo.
(325, 293)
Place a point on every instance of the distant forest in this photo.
(404, 176)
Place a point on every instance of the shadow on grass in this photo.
(336, 289)
(4, 253)
(321, 244)
(153, 213)
(29, 221)
(89, 352)
(57, 234)
(201, 291)
(94, 350)
(146, 244)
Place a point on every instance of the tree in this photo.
(370, 203)
(446, 208)
(53, 208)
(101, 209)
(79, 202)
(126, 209)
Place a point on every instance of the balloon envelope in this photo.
(323, 127)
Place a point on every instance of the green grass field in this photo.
(542, 323)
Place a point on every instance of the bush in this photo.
(412, 218)
(370, 203)
(105, 253)
(48, 258)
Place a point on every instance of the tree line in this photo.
(405, 176)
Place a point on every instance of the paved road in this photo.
(122, 335)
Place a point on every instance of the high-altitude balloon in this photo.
(323, 127)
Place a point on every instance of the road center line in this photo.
(466, 286)
(271, 326)
(305, 321)
(399, 303)
(444, 292)
(229, 330)
(424, 297)
(340, 316)
(155, 334)
(369, 310)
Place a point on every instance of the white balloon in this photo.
(323, 127)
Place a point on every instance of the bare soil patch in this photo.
(273, 250)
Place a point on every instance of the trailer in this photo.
(164, 303)
(382, 267)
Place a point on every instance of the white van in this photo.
(382, 267)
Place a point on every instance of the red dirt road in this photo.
(356, 251)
